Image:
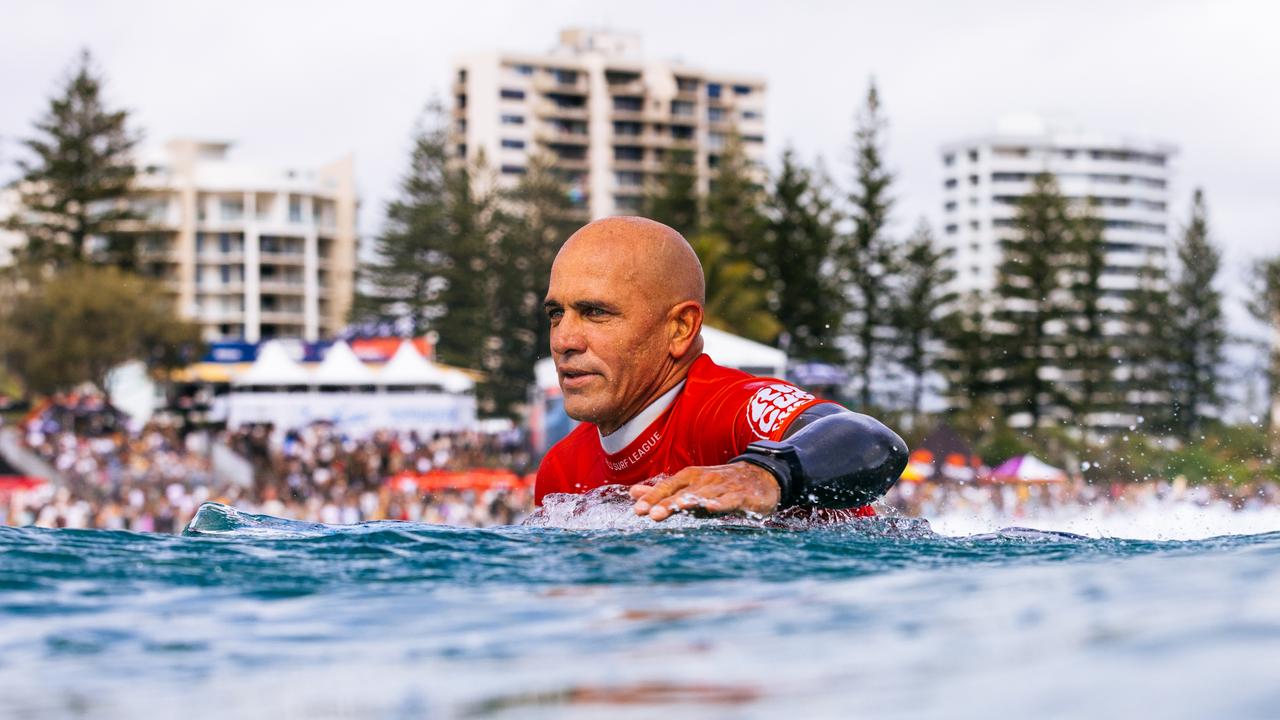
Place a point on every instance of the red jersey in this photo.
(712, 419)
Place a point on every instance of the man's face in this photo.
(608, 336)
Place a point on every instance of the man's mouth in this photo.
(570, 379)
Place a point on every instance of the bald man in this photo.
(626, 305)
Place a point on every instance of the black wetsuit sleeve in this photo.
(832, 457)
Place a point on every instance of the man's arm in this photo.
(830, 457)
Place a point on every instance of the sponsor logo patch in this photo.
(770, 407)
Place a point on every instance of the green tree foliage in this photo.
(82, 322)
(731, 234)
(921, 298)
(1087, 350)
(538, 217)
(1264, 306)
(966, 362)
(1146, 348)
(430, 261)
(736, 302)
(1029, 282)
(866, 257)
(797, 254)
(673, 199)
(74, 189)
(1196, 324)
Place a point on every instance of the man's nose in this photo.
(567, 335)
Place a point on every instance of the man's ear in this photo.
(685, 323)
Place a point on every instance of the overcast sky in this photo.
(304, 83)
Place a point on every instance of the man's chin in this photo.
(582, 409)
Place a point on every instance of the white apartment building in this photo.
(251, 253)
(984, 178)
(1126, 179)
(605, 115)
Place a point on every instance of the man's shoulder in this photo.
(583, 438)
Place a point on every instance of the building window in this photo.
(628, 153)
(512, 144)
(952, 229)
(525, 70)
(512, 119)
(752, 115)
(973, 155)
(629, 179)
(950, 206)
(713, 90)
(231, 208)
(1009, 177)
(566, 77)
(715, 114)
(624, 103)
(753, 138)
(715, 141)
(509, 94)
(627, 202)
(949, 184)
(512, 170)
(684, 84)
(682, 108)
(973, 179)
(628, 128)
(741, 89)
(949, 159)
(973, 225)
(295, 209)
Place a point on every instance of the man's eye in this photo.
(594, 312)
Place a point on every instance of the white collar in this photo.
(619, 439)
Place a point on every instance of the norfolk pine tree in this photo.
(1197, 324)
(1028, 284)
(921, 297)
(673, 199)
(75, 189)
(1086, 347)
(1264, 306)
(865, 256)
(798, 257)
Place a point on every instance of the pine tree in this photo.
(673, 199)
(1196, 321)
(922, 295)
(1086, 347)
(75, 189)
(731, 234)
(538, 217)
(736, 301)
(866, 254)
(1146, 348)
(968, 358)
(797, 256)
(429, 261)
(1028, 289)
(1264, 305)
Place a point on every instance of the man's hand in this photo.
(712, 490)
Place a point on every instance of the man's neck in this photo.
(670, 378)
(619, 439)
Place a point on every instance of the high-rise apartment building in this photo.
(607, 118)
(1125, 179)
(251, 254)
(985, 177)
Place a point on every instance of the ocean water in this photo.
(590, 612)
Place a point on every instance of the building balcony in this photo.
(571, 163)
(634, 87)
(552, 136)
(227, 288)
(553, 111)
(282, 287)
(281, 258)
(220, 258)
(281, 316)
(547, 83)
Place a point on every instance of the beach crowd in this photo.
(153, 479)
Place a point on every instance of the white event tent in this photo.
(408, 393)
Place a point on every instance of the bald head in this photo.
(645, 252)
